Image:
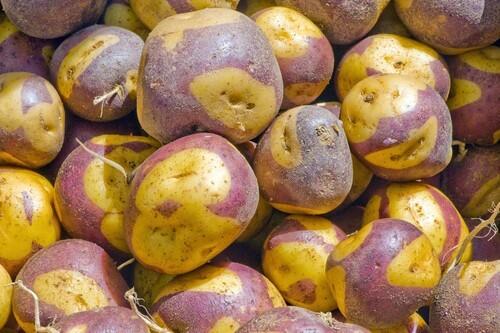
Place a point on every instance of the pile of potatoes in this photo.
(253, 166)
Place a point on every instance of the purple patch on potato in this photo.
(303, 291)
(28, 206)
(168, 208)
(34, 92)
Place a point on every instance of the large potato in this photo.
(28, 221)
(96, 62)
(189, 201)
(52, 18)
(90, 197)
(118, 13)
(398, 126)
(452, 26)
(210, 70)
(301, 142)
(5, 295)
(31, 120)
(475, 98)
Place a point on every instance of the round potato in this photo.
(211, 70)
(452, 27)
(474, 97)
(304, 54)
(27, 220)
(31, 120)
(68, 277)
(398, 127)
(52, 18)
(343, 22)
(303, 141)
(392, 54)
(250, 7)
(389, 23)
(95, 71)
(398, 261)
(189, 201)
(118, 13)
(5, 296)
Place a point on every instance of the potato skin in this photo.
(118, 13)
(389, 23)
(61, 275)
(400, 264)
(333, 107)
(467, 299)
(52, 18)
(398, 127)
(235, 92)
(27, 218)
(392, 54)
(303, 141)
(343, 22)
(31, 120)
(198, 191)
(227, 293)
(484, 248)
(5, 296)
(474, 96)
(452, 27)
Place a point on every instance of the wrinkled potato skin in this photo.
(211, 70)
(474, 96)
(250, 7)
(343, 22)
(467, 299)
(118, 13)
(5, 296)
(27, 219)
(31, 120)
(398, 127)
(452, 27)
(303, 141)
(52, 18)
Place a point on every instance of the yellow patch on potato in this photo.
(351, 243)
(463, 92)
(304, 93)
(8, 159)
(372, 209)
(122, 15)
(404, 4)
(486, 60)
(337, 280)
(285, 146)
(290, 209)
(481, 200)
(7, 29)
(200, 4)
(475, 275)
(78, 329)
(151, 12)
(70, 291)
(274, 294)
(361, 179)
(225, 325)
(5, 295)
(413, 151)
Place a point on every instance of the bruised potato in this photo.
(5, 295)
(118, 13)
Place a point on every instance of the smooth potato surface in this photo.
(119, 13)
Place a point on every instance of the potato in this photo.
(333, 107)
(362, 177)
(5, 295)
(218, 297)
(52, 18)
(27, 220)
(95, 71)
(303, 141)
(304, 54)
(398, 127)
(399, 264)
(250, 7)
(485, 247)
(413, 324)
(22, 53)
(452, 27)
(189, 201)
(118, 13)
(294, 258)
(90, 196)
(349, 220)
(343, 22)
(148, 283)
(473, 182)
(467, 299)
(257, 242)
(474, 96)
(392, 54)
(291, 319)
(152, 12)
(389, 23)
(31, 120)
(425, 207)
(211, 70)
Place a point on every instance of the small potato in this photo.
(304, 54)
(484, 247)
(5, 296)
(211, 70)
(148, 283)
(343, 22)
(95, 71)
(392, 54)
(90, 196)
(474, 100)
(227, 294)
(301, 142)
(473, 182)
(383, 274)
(28, 221)
(426, 208)
(68, 277)
(152, 12)
(398, 127)
(118, 13)
(389, 23)
(294, 258)
(467, 299)
(31, 120)
(452, 27)
(52, 18)
(250, 7)
(189, 201)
